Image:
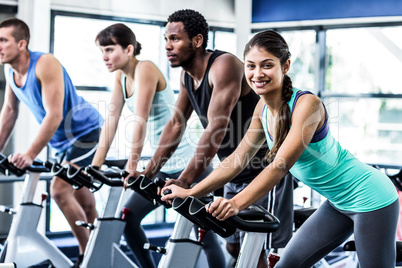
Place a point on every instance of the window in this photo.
(303, 74)
(303, 58)
(75, 47)
(364, 60)
(7, 12)
(226, 41)
(362, 86)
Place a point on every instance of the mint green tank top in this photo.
(161, 110)
(336, 174)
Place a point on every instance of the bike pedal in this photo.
(8, 210)
(157, 249)
(89, 226)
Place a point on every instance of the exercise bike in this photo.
(346, 255)
(180, 250)
(103, 247)
(396, 179)
(340, 257)
(25, 245)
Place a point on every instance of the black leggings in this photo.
(135, 235)
(374, 234)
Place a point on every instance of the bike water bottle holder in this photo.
(253, 219)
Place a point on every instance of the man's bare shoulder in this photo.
(226, 66)
(47, 58)
(228, 59)
(48, 68)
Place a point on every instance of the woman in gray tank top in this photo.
(148, 95)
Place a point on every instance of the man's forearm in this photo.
(4, 136)
(204, 154)
(198, 164)
(7, 122)
(168, 143)
(46, 131)
(159, 159)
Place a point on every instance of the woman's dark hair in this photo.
(275, 44)
(194, 23)
(118, 34)
(20, 31)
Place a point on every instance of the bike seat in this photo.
(301, 215)
(396, 179)
(398, 251)
(350, 246)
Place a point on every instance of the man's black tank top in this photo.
(240, 120)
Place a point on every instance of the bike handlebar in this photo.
(5, 165)
(147, 189)
(253, 219)
(105, 177)
(142, 185)
(73, 176)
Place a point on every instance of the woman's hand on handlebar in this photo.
(172, 191)
(20, 161)
(222, 208)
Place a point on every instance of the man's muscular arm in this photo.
(8, 115)
(225, 79)
(50, 75)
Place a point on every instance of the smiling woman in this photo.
(262, 73)
(295, 125)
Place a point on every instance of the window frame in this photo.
(12, 10)
(162, 24)
(321, 44)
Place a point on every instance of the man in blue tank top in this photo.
(213, 85)
(68, 123)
